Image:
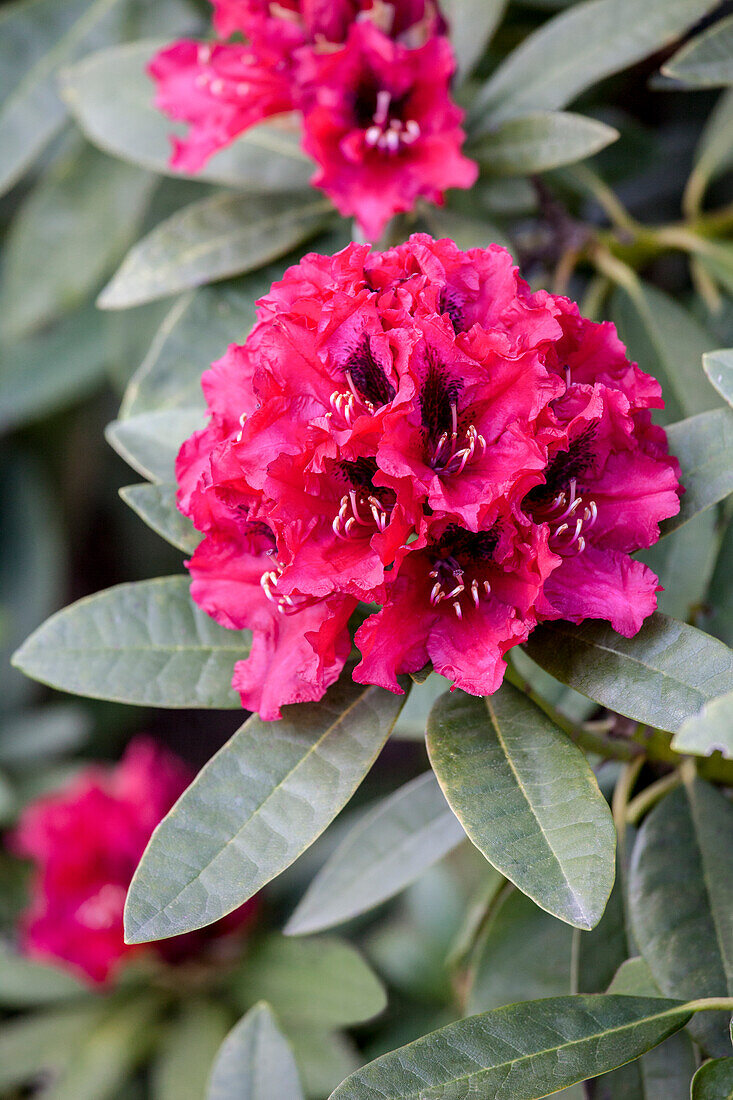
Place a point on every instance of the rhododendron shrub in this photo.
(417, 429)
(371, 81)
(85, 842)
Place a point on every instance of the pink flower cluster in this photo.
(416, 429)
(371, 80)
(85, 842)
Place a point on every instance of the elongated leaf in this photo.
(223, 235)
(320, 982)
(669, 343)
(537, 1046)
(540, 141)
(704, 446)
(718, 366)
(43, 732)
(685, 564)
(681, 900)
(709, 731)
(323, 1058)
(88, 207)
(467, 232)
(524, 954)
(634, 979)
(402, 836)
(45, 1041)
(156, 505)
(50, 371)
(111, 97)
(714, 154)
(255, 1062)
(110, 1052)
(185, 1057)
(150, 442)
(144, 643)
(36, 38)
(714, 1081)
(707, 61)
(24, 982)
(579, 48)
(265, 797)
(472, 23)
(662, 676)
(527, 799)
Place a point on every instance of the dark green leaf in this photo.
(150, 442)
(714, 1081)
(75, 226)
(540, 141)
(321, 982)
(156, 505)
(537, 1046)
(111, 97)
(704, 446)
(706, 61)
(472, 23)
(42, 732)
(144, 643)
(524, 954)
(662, 676)
(31, 1044)
(681, 900)
(390, 847)
(24, 982)
(264, 798)
(634, 979)
(579, 48)
(223, 235)
(714, 154)
(255, 1062)
(184, 1059)
(718, 365)
(684, 563)
(527, 799)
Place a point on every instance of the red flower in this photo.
(379, 122)
(370, 78)
(86, 842)
(416, 429)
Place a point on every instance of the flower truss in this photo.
(85, 842)
(370, 79)
(416, 429)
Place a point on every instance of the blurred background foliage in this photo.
(640, 233)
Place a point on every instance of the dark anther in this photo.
(472, 545)
(367, 377)
(360, 472)
(438, 394)
(450, 304)
(564, 466)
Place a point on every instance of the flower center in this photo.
(453, 450)
(568, 515)
(457, 571)
(286, 605)
(452, 584)
(387, 132)
(359, 514)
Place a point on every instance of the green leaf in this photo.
(110, 1052)
(265, 797)
(472, 24)
(527, 799)
(45, 1041)
(598, 954)
(540, 141)
(634, 979)
(714, 154)
(669, 343)
(704, 446)
(36, 38)
(219, 236)
(72, 230)
(713, 1081)
(391, 846)
(718, 365)
(43, 732)
(467, 232)
(706, 61)
(323, 1058)
(684, 562)
(156, 506)
(709, 731)
(184, 1058)
(144, 643)
(24, 982)
(681, 900)
(47, 372)
(537, 1046)
(578, 49)
(255, 1062)
(321, 982)
(661, 676)
(524, 954)
(111, 97)
(150, 442)
(720, 593)
(197, 330)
